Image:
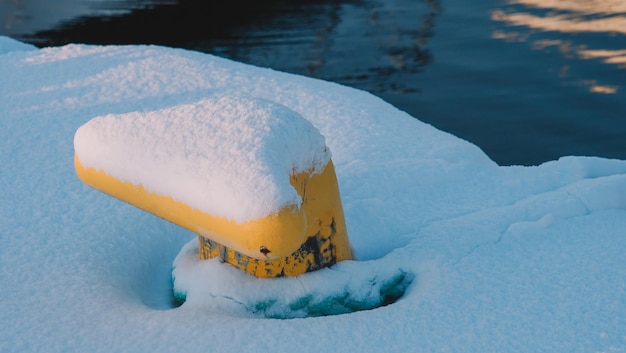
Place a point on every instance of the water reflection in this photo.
(588, 7)
(20, 17)
(567, 23)
(382, 42)
(617, 57)
(378, 46)
(595, 17)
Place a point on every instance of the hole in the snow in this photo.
(174, 300)
(158, 292)
(154, 277)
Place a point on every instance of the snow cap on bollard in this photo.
(252, 178)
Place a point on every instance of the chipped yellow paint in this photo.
(290, 242)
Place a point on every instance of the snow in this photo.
(8, 45)
(229, 156)
(490, 258)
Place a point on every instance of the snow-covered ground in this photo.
(493, 259)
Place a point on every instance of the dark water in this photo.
(526, 80)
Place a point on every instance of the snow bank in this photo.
(521, 259)
(229, 156)
(8, 45)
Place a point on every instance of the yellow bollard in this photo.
(289, 242)
(209, 144)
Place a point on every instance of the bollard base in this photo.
(318, 251)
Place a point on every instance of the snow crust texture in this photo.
(502, 259)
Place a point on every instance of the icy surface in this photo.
(229, 156)
(503, 259)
